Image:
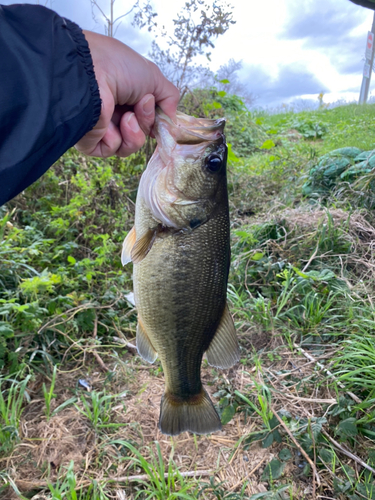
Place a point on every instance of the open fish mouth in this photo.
(187, 130)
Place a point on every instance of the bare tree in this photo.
(228, 73)
(196, 26)
(143, 15)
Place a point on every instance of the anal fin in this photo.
(144, 347)
(143, 245)
(127, 246)
(224, 350)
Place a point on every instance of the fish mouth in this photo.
(188, 130)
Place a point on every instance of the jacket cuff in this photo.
(85, 55)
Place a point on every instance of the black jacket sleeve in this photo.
(49, 97)
(370, 4)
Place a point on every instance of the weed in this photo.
(162, 483)
(217, 490)
(12, 393)
(49, 395)
(97, 408)
(66, 488)
(263, 409)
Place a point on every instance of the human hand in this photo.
(129, 87)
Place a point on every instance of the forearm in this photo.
(49, 97)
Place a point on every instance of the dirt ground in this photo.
(46, 446)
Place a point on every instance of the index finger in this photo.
(167, 96)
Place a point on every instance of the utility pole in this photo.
(367, 69)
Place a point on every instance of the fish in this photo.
(180, 248)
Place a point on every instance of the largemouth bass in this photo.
(181, 253)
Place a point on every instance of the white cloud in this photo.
(287, 46)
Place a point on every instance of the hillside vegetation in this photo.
(79, 408)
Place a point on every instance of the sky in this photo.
(291, 50)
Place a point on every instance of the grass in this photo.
(12, 393)
(301, 290)
(97, 408)
(159, 482)
(65, 488)
(49, 395)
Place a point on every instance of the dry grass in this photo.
(302, 227)
(47, 446)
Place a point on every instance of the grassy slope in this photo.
(301, 290)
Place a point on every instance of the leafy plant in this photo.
(309, 128)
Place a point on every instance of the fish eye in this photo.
(214, 163)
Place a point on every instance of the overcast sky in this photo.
(290, 49)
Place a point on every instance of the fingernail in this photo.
(149, 106)
(133, 123)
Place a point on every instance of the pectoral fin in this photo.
(224, 350)
(127, 246)
(144, 347)
(142, 246)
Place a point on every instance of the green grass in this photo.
(162, 483)
(12, 393)
(97, 408)
(65, 488)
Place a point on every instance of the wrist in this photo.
(84, 55)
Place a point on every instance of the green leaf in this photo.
(6, 330)
(225, 81)
(300, 273)
(348, 427)
(273, 470)
(268, 144)
(349, 472)
(257, 256)
(216, 105)
(222, 93)
(242, 234)
(326, 455)
(285, 454)
(231, 156)
(277, 436)
(306, 470)
(268, 440)
(71, 259)
(316, 426)
(227, 414)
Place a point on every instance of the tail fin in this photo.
(196, 414)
